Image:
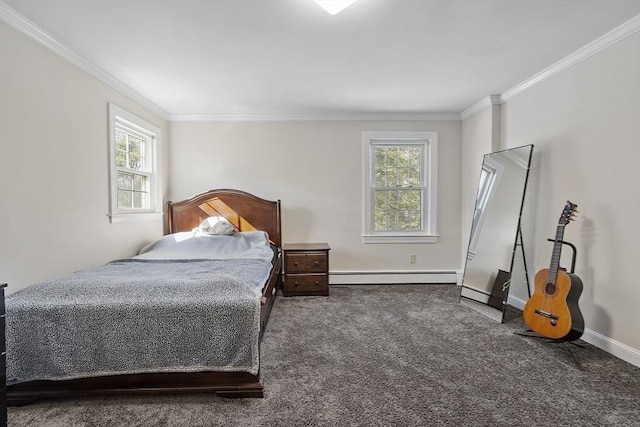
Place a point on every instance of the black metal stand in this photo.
(519, 242)
(567, 343)
(573, 257)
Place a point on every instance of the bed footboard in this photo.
(228, 384)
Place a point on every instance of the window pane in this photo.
(135, 162)
(140, 183)
(409, 199)
(125, 181)
(380, 221)
(392, 201)
(121, 158)
(404, 177)
(403, 220)
(414, 155)
(392, 157)
(414, 177)
(409, 220)
(121, 140)
(397, 166)
(128, 199)
(404, 157)
(135, 145)
(133, 191)
(140, 200)
(392, 220)
(397, 210)
(392, 177)
(380, 199)
(125, 199)
(404, 199)
(379, 180)
(135, 152)
(131, 150)
(380, 210)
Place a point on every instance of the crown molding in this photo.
(617, 34)
(19, 22)
(481, 105)
(601, 43)
(311, 117)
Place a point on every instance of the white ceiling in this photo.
(290, 58)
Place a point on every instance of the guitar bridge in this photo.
(546, 314)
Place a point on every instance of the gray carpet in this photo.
(405, 355)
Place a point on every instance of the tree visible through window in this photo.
(486, 187)
(135, 174)
(133, 180)
(400, 187)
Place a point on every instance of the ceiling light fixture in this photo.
(334, 6)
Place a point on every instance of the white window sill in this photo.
(136, 216)
(432, 238)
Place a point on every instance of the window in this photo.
(489, 178)
(134, 164)
(400, 187)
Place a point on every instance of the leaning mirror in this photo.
(495, 230)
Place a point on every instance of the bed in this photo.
(163, 322)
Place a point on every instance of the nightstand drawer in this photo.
(307, 283)
(306, 263)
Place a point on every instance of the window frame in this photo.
(118, 117)
(428, 140)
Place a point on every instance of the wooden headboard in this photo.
(244, 210)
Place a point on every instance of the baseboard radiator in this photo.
(392, 277)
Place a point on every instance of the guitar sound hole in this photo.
(550, 288)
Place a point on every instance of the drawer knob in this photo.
(317, 283)
(295, 284)
(295, 263)
(317, 263)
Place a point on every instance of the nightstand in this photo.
(306, 269)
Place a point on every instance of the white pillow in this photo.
(215, 225)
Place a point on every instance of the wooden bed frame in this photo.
(247, 212)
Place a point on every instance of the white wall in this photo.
(315, 168)
(54, 189)
(477, 140)
(585, 125)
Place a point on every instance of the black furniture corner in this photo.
(3, 361)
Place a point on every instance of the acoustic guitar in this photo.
(552, 311)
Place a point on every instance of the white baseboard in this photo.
(391, 277)
(611, 346)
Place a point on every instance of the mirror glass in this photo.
(494, 230)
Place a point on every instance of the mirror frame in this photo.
(489, 308)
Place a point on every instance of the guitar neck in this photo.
(555, 255)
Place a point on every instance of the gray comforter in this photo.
(136, 316)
